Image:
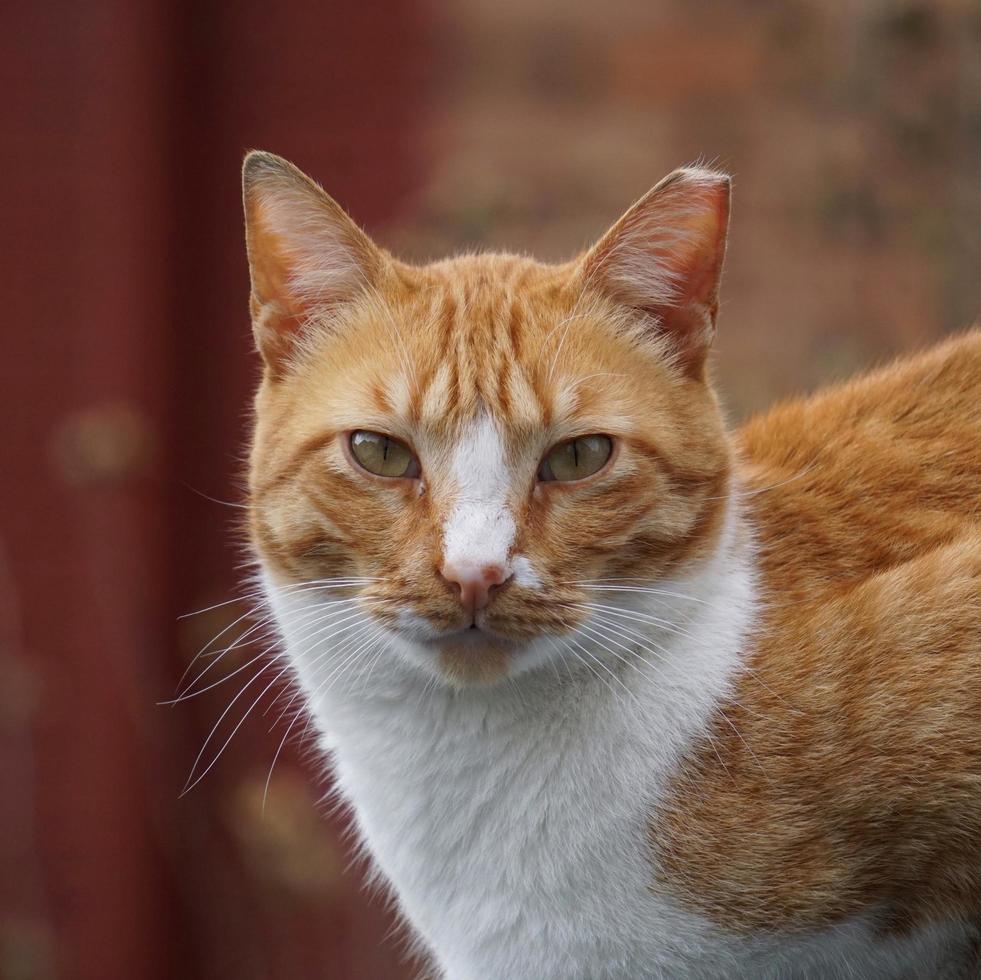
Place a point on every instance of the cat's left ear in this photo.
(306, 256)
(664, 258)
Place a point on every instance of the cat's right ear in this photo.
(663, 259)
(306, 256)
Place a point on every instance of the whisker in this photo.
(631, 614)
(647, 642)
(213, 500)
(572, 639)
(253, 610)
(279, 749)
(375, 656)
(605, 634)
(188, 694)
(742, 495)
(336, 651)
(721, 709)
(260, 593)
(568, 649)
(195, 775)
(316, 614)
(319, 691)
(190, 785)
(601, 585)
(743, 667)
(711, 740)
(219, 655)
(250, 612)
(617, 678)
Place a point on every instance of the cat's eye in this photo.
(382, 455)
(576, 459)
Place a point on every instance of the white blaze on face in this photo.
(480, 527)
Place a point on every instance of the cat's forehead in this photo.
(496, 336)
(494, 339)
(484, 308)
(490, 277)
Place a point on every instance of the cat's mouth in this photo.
(475, 651)
(473, 638)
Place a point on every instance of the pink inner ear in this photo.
(278, 308)
(691, 329)
(699, 257)
(690, 317)
(270, 278)
(664, 258)
(307, 256)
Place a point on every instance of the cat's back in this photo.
(843, 778)
(870, 473)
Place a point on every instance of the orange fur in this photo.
(414, 356)
(844, 775)
(482, 329)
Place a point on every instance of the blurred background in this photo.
(853, 130)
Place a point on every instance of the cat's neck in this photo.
(663, 661)
(559, 766)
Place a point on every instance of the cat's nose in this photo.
(475, 582)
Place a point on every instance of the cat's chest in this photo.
(504, 797)
(537, 863)
(501, 840)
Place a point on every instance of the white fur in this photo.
(524, 572)
(480, 528)
(513, 821)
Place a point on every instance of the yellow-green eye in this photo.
(383, 455)
(576, 459)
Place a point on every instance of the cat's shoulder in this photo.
(870, 473)
(841, 778)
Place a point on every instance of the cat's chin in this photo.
(472, 657)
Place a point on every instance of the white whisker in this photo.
(316, 614)
(663, 624)
(290, 590)
(296, 716)
(190, 785)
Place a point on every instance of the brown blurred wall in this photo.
(125, 374)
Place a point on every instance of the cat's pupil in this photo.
(577, 458)
(382, 455)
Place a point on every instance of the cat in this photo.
(611, 691)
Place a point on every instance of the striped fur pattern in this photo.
(719, 714)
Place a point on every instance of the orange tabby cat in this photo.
(611, 692)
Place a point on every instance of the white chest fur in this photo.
(514, 851)
(513, 822)
(514, 830)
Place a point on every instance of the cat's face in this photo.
(476, 440)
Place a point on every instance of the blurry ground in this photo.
(853, 130)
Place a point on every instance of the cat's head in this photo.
(474, 445)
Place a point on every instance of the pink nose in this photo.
(475, 582)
